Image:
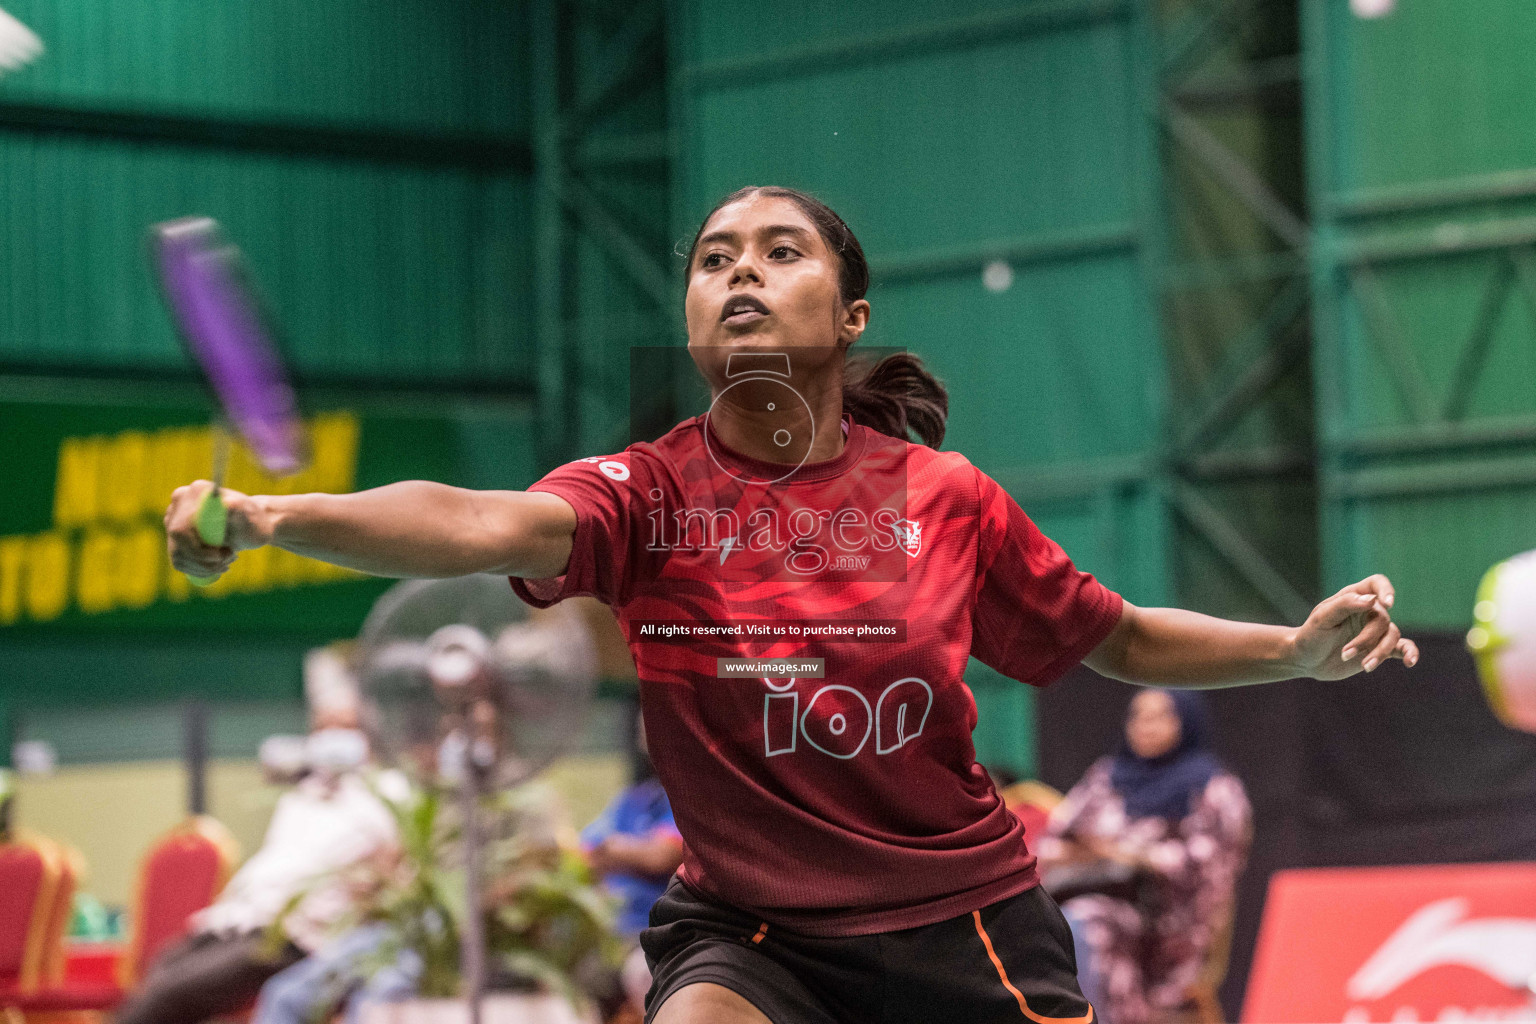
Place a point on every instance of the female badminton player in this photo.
(847, 860)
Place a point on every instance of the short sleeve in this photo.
(1036, 614)
(604, 492)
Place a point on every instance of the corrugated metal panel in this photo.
(440, 65)
(1425, 264)
(373, 270)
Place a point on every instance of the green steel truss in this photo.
(600, 162)
(1231, 273)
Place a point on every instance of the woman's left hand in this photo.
(1352, 631)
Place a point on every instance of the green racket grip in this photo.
(212, 526)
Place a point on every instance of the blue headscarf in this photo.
(1167, 786)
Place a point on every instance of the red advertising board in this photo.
(1454, 942)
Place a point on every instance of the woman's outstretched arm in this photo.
(410, 529)
(1350, 632)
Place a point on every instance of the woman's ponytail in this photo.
(896, 395)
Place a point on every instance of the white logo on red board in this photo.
(1439, 934)
(909, 534)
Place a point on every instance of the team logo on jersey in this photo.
(612, 469)
(909, 534)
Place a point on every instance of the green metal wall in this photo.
(1423, 182)
(366, 155)
(402, 63)
(371, 158)
(958, 135)
(950, 135)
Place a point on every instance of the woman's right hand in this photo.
(249, 527)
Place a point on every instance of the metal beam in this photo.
(1280, 460)
(1243, 393)
(1434, 195)
(1524, 262)
(1275, 80)
(1474, 351)
(1460, 476)
(1397, 355)
(1221, 273)
(636, 148)
(917, 41)
(1076, 481)
(637, 260)
(1283, 309)
(175, 380)
(1100, 240)
(618, 64)
(368, 143)
(1234, 172)
(557, 412)
(1202, 30)
(1438, 437)
(1247, 560)
(1448, 239)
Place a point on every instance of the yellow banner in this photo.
(106, 550)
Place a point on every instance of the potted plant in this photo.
(544, 917)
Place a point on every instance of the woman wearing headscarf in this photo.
(1164, 808)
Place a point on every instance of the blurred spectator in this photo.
(634, 846)
(1144, 855)
(331, 821)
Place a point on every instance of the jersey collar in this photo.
(855, 440)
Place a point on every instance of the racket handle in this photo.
(212, 526)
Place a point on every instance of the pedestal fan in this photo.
(465, 686)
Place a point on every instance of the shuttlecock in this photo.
(19, 45)
(1372, 8)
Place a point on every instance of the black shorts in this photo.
(1010, 962)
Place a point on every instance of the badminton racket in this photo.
(225, 329)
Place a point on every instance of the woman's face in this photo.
(762, 279)
(1152, 729)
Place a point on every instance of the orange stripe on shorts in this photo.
(1002, 974)
(760, 933)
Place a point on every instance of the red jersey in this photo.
(850, 803)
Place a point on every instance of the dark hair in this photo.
(893, 396)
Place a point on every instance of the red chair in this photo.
(71, 870)
(181, 874)
(29, 877)
(1032, 803)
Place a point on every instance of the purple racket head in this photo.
(222, 325)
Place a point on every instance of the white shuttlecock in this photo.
(1372, 8)
(19, 45)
